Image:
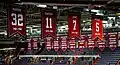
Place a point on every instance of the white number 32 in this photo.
(17, 19)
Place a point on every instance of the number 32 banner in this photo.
(48, 22)
(16, 20)
(97, 29)
(74, 26)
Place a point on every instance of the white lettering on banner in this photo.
(91, 46)
(74, 17)
(56, 47)
(49, 22)
(49, 30)
(48, 45)
(19, 28)
(81, 43)
(81, 47)
(112, 35)
(97, 27)
(90, 43)
(113, 46)
(16, 22)
(14, 28)
(74, 22)
(48, 13)
(112, 38)
(63, 45)
(72, 44)
(97, 33)
(16, 9)
(75, 32)
(101, 43)
(112, 42)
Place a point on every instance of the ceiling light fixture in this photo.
(41, 5)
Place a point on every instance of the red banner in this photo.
(81, 43)
(91, 43)
(16, 21)
(64, 43)
(113, 40)
(74, 26)
(102, 44)
(49, 43)
(29, 45)
(49, 22)
(56, 45)
(97, 29)
(72, 44)
(32, 43)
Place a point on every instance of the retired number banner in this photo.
(49, 43)
(74, 26)
(97, 29)
(56, 44)
(81, 43)
(72, 44)
(49, 22)
(113, 40)
(64, 43)
(16, 21)
(91, 43)
(102, 44)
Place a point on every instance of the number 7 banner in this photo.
(97, 29)
(74, 26)
(48, 22)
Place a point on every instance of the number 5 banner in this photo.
(97, 29)
(16, 20)
(74, 26)
(49, 22)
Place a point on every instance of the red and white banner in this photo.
(32, 43)
(91, 43)
(64, 43)
(72, 44)
(49, 22)
(81, 43)
(16, 21)
(102, 44)
(49, 43)
(29, 45)
(113, 40)
(74, 26)
(56, 44)
(97, 29)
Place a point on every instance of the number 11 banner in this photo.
(97, 29)
(49, 22)
(16, 20)
(74, 26)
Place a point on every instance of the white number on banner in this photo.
(74, 21)
(49, 22)
(15, 21)
(97, 27)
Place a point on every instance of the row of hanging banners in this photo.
(17, 27)
(86, 41)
